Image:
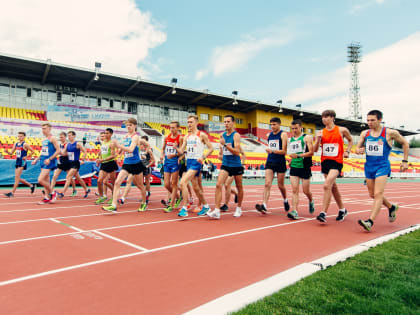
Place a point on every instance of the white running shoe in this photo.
(215, 214)
(238, 212)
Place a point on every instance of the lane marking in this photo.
(120, 240)
(67, 225)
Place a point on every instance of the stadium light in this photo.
(98, 66)
(174, 81)
(235, 95)
(402, 127)
(300, 107)
(280, 102)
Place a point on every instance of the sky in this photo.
(268, 50)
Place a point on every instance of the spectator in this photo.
(84, 140)
(262, 167)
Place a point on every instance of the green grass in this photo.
(382, 280)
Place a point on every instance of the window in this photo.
(117, 104)
(59, 97)
(4, 88)
(111, 103)
(52, 96)
(123, 105)
(28, 92)
(99, 102)
(263, 126)
(216, 118)
(132, 107)
(239, 121)
(204, 116)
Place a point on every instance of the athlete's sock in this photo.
(265, 206)
(371, 222)
(392, 208)
(285, 200)
(206, 205)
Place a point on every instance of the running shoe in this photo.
(311, 207)
(60, 195)
(110, 208)
(215, 214)
(164, 202)
(177, 202)
(109, 202)
(322, 217)
(367, 225)
(203, 210)
(238, 212)
(53, 197)
(197, 209)
(392, 213)
(286, 205)
(224, 208)
(100, 200)
(9, 195)
(44, 201)
(86, 193)
(120, 201)
(341, 215)
(142, 207)
(74, 193)
(148, 193)
(147, 196)
(261, 208)
(183, 213)
(293, 215)
(97, 194)
(168, 209)
(33, 187)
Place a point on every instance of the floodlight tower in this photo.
(354, 56)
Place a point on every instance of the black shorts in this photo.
(233, 171)
(147, 171)
(109, 167)
(21, 164)
(134, 169)
(64, 166)
(304, 173)
(75, 164)
(276, 167)
(182, 169)
(328, 165)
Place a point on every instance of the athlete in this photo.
(171, 164)
(148, 160)
(276, 163)
(132, 165)
(331, 138)
(376, 143)
(72, 150)
(108, 165)
(194, 146)
(48, 159)
(23, 153)
(301, 151)
(63, 164)
(229, 153)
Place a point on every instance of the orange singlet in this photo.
(332, 145)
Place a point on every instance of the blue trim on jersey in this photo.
(383, 159)
(72, 147)
(51, 150)
(231, 160)
(273, 157)
(23, 153)
(135, 158)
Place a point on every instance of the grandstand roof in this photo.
(82, 78)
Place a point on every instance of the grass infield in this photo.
(382, 280)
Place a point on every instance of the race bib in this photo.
(330, 149)
(128, 154)
(44, 151)
(274, 145)
(104, 149)
(18, 154)
(296, 147)
(70, 155)
(226, 151)
(169, 150)
(374, 148)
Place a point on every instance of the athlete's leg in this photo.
(370, 183)
(306, 186)
(186, 178)
(280, 184)
(328, 188)
(18, 173)
(138, 181)
(81, 181)
(72, 172)
(44, 180)
(228, 189)
(174, 183)
(101, 179)
(120, 179)
(294, 180)
(378, 195)
(269, 175)
(221, 179)
(127, 188)
(57, 173)
(240, 187)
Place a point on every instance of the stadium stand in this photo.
(21, 113)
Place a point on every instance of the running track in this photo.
(72, 258)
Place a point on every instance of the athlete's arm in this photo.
(207, 142)
(163, 149)
(395, 135)
(221, 145)
(57, 148)
(309, 144)
(237, 145)
(13, 150)
(30, 151)
(360, 147)
(318, 141)
(135, 141)
(346, 134)
(82, 148)
(152, 157)
(284, 140)
(243, 158)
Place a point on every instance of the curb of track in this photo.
(236, 300)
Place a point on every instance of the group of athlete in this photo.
(183, 157)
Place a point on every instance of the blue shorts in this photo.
(171, 168)
(374, 171)
(51, 166)
(21, 163)
(192, 164)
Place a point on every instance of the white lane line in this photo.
(68, 225)
(120, 240)
(54, 271)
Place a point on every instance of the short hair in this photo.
(102, 133)
(132, 121)
(22, 133)
(175, 122)
(71, 132)
(231, 116)
(63, 134)
(193, 116)
(275, 120)
(376, 113)
(110, 130)
(46, 124)
(328, 113)
(145, 138)
(297, 122)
